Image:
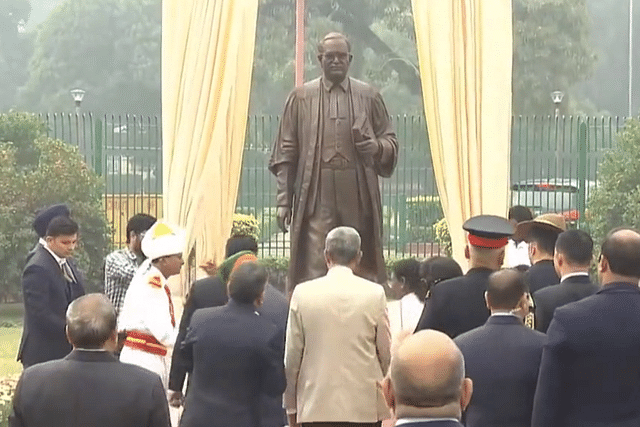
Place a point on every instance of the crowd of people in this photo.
(244, 354)
(526, 337)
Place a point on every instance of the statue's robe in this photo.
(296, 161)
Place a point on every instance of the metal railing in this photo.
(554, 166)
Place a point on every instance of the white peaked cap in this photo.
(163, 239)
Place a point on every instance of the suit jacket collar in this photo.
(80, 355)
(235, 305)
(619, 287)
(421, 422)
(504, 320)
(577, 279)
(480, 271)
(340, 270)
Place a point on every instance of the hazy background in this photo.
(111, 49)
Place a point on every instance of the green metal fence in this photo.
(554, 166)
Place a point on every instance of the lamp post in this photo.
(78, 95)
(556, 97)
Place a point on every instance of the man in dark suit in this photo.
(89, 387)
(212, 292)
(589, 374)
(572, 260)
(541, 234)
(204, 293)
(234, 356)
(426, 385)
(50, 281)
(502, 357)
(457, 305)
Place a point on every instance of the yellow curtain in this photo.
(465, 57)
(207, 59)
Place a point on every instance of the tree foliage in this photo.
(15, 49)
(381, 34)
(53, 172)
(109, 48)
(616, 200)
(551, 52)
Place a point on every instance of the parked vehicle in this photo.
(551, 195)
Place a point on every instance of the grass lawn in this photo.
(9, 340)
(10, 314)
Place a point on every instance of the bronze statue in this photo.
(335, 138)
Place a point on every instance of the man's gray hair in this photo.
(333, 36)
(342, 245)
(91, 320)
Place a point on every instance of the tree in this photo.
(551, 52)
(109, 48)
(616, 200)
(52, 171)
(381, 34)
(16, 48)
(551, 49)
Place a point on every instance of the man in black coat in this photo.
(502, 357)
(589, 374)
(50, 281)
(541, 234)
(234, 356)
(426, 385)
(572, 260)
(89, 387)
(457, 305)
(212, 292)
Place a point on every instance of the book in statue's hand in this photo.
(361, 129)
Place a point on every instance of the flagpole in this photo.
(299, 73)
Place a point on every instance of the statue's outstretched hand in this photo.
(284, 218)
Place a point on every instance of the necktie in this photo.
(66, 271)
(173, 319)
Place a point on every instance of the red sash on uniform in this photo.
(145, 342)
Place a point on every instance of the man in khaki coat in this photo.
(338, 342)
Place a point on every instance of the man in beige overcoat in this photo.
(338, 342)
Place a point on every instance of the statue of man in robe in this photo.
(335, 138)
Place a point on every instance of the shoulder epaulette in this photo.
(155, 281)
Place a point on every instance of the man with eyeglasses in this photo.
(335, 139)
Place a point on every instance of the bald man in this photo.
(502, 357)
(426, 384)
(89, 387)
(589, 374)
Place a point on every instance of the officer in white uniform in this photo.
(147, 314)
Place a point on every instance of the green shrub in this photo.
(245, 226)
(7, 388)
(443, 238)
(615, 201)
(422, 213)
(57, 175)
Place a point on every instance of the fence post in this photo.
(582, 170)
(97, 160)
(402, 223)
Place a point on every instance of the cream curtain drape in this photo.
(207, 59)
(465, 56)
